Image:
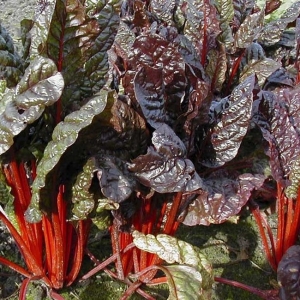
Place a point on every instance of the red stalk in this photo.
(58, 258)
(261, 222)
(172, 216)
(29, 257)
(296, 220)
(280, 224)
(260, 293)
(14, 266)
(288, 238)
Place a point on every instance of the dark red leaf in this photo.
(224, 198)
(288, 274)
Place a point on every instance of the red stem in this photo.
(261, 223)
(280, 223)
(260, 293)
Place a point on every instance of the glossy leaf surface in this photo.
(41, 86)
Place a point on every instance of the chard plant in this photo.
(141, 115)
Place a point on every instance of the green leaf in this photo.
(82, 198)
(272, 32)
(226, 13)
(262, 68)
(11, 65)
(185, 283)
(194, 268)
(64, 136)
(292, 191)
(40, 86)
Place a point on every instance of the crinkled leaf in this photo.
(150, 55)
(226, 13)
(76, 37)
(217, 68)
(262, 69)
(149, 92)
(229, 132)
(124, 40)
(288, 274)
(279, 122)
(225, 198)
(202, 26)
(164, 168)
(163, 9)
(249, 30)
(192, 264)
(64, 136)
(280, 78)
(272, 32)
(122, 132)
(40, 86)
(11, 65)
(185, 283)
(292, 191)
(116, 182)
(242, 9)
(82, 199)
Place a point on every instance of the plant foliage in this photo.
(159, 111)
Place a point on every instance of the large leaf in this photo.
(223, 199)
(202, 26)
(262, 68)
(249, 29)
(226, 13)
(76, 37)
(41, 86)
(192, 279)
(279, 122)
(227, 135)
(149, 92)
(288, 274)
(64, 136)
(164, 167)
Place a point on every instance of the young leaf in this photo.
(191, 262)
(40, 86)
(82, 199)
